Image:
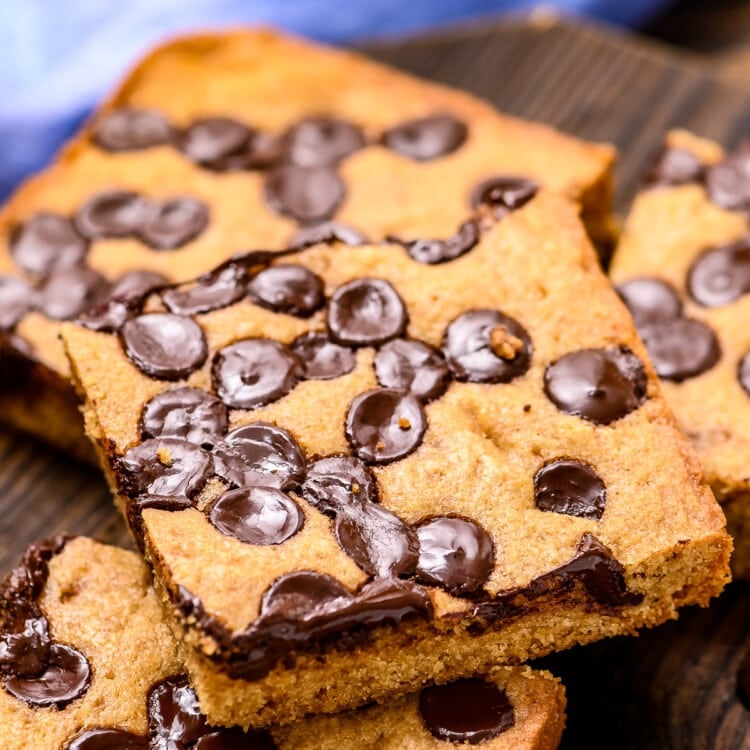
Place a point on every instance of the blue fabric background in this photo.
(57, 57)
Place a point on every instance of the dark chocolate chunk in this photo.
(287, 288)
(426, 138)
(366, 312)
(675, 166)
(136, 283)
(466, 711)
(260, 454)
(329, 232)
(256, 515)
(69, 292)
(108, 739)
(214, 290)
(46, 243)
(503, 194)
(321, 358)
(485, 346)
(25, 641)
(682, 348)
(721, 275)
(728, 182)
(570, 487)
(454, 553)
(174, 714)
(216, 142)
(67, 676)
(254, 372)
(321, 141)
(600, 385)
(305, 194)
(441, 251)
(164, 467)
(743, 373)
(235, 739)
(338, 482)
(174, 222)
(131, 130)
(187, 413)
(412, 366)
(295, 595)
(743, 681)
(115, 213)
(377, 539)
(17, 297)
(384, 425)
(650, 300)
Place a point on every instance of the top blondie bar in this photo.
(354, 469)
(246, 139)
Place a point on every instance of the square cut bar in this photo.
(88, 662)
(683, 269)
(361, 468)
(220, 142)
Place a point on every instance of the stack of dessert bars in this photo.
(380, 426)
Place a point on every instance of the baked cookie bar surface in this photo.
(248, 139)
(683, 269)
(354, 469)
(88, 662)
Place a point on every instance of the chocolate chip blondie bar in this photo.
(683, 269)
(250, 139)
(88, 662)
(354, 469)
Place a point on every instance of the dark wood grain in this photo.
(673, 688)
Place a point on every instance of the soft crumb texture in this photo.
(669, 228)
(483, 445)
(98, 599)
(270, 82)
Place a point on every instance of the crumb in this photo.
(503, 343)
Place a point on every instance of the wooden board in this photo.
(673, 688)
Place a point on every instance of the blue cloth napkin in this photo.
(58, 58)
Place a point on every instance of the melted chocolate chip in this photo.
(721, 275)
(164, 346)
(215, 290)
(131, 130)
(287, 288)
(254, 372)
(66, 677)
(485, 346)
(216, 142)
(116, 213)
(68, 293)
(728, 182)
(321, 358)
(256, 515)
(681, 348)
(305, 194)
(384, 425)
(235, 739)
(25, 642)
(136, 283)
(338, 482)
(454, 553)
(173, 223)
(328, 232)
(441, 251)
(16, 299)
(260, 454)
(377, 540)
(466, 711)
(108, 739)
(164, 467)
(366, 312)
(570, 487)
(321, 141)
(504, 194)
(47, 243)
(426, 138)
(412, 366)
(600, 385)
(173, 712)
(650, 300)
(743, 373)
(743, 681)
(675, 166)
(187, 413)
